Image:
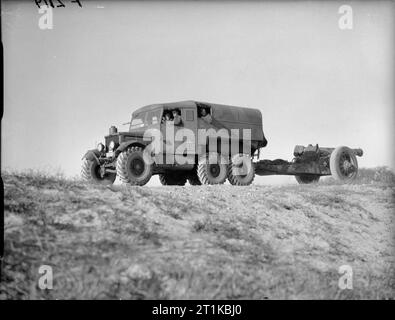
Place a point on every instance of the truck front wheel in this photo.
(91, 172)
(132, 167)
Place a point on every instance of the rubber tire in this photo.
(307, 178)
(123, 167)
(335, 165)
(89, 172)
(235, 163)
(175, 178)
(203, 169)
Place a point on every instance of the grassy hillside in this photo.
(218, 242)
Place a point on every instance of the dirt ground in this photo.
(197, 242)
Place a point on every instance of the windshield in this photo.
(145, 119)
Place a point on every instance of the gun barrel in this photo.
(358, 152)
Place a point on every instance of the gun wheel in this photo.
(343, 164)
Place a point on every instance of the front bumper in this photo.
(99, 158)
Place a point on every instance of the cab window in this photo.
(189, 115)
(154, 117)
(172, 116)
(138, 120)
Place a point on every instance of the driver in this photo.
(166, 117)
(206, 116)
(176, 118)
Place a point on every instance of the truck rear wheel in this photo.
(132, 168)
(175, 178)
(343, 164)
(212, 169)
(90, 171)
(241, 170)
(307, 178)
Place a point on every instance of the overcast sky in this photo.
(313, 82)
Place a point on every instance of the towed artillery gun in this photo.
(232, 139)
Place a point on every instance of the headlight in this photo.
(111, 146)
(100, 147)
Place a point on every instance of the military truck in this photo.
(204, 143)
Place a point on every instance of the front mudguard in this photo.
(92, 155)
